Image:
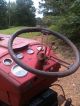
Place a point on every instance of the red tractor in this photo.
(28, 68)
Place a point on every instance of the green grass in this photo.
(12, 30)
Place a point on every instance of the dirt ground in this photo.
(71, 86)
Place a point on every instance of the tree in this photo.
(25, 13)
(3, 14)
(55, 7)
(11, 13)
(72, 22)
(65, 17)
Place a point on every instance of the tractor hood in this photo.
(18, 43)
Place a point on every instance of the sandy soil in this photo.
(71, 86)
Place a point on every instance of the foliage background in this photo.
(62, 16)
(19, 13)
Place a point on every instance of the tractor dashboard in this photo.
(29, 56)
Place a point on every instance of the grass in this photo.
(12, 30)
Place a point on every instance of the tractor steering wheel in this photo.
(64, 73)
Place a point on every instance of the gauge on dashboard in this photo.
(30, 51)
(8, 61)
(39, 48)
(19, 55)
(18, 71)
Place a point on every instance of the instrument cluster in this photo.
(16, 69)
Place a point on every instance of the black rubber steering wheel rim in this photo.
(64, 73)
